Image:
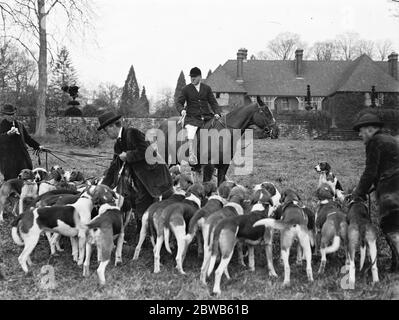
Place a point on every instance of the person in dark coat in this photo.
(151, 180)
(14, 155)
(197, 112)
(382, 172)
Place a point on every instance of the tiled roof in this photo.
(363, 74)
(223, 82)
(278, 77)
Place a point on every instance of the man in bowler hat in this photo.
(14, 155)
(197, 112)
(150, 180)
(382, 171)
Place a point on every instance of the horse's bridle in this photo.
(267, 127)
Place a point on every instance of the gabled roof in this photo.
(223, 82)
(278, 77)
(363, 74)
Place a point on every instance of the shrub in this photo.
(82, 135)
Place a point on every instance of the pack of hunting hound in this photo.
(220, 219)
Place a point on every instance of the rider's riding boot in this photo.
(192, 159)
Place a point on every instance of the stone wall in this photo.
(289, 128)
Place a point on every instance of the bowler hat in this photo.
(8, 109)
(195, 72)
(107, 118)
(368, 119)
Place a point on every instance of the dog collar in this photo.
(258, 207)
(180, 192)
(219, 198)
(105, 207)
(236, 206)
(194, 199)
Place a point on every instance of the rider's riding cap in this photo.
(195, 72)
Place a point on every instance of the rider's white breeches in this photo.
(191, 131)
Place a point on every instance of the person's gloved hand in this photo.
(123, 156)
(12, 131)
(217, 116)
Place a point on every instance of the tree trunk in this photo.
(42, 64)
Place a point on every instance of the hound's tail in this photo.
(193, 225)
(271, 223)
(15, 234)
(166, 234)
(335, 245)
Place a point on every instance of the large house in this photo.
(282, 84)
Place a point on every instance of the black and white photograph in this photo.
(220, 152)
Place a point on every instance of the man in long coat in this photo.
(150, 180)
(14, 155)
(201, 107)
(382, 171)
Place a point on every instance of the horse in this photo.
(255, 114)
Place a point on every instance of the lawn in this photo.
(287, 163)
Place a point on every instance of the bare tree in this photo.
(324, 51)
(366, 47)
(28, 19)
(384, 48)
(284, 45)
(110, 93)
(347, 44)
(262, 55)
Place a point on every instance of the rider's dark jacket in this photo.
(201, 106)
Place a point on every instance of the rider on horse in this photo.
(198, 97)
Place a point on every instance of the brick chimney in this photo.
(241, 57)
(393, 65)
(299, 62)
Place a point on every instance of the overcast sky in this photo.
(162, 37)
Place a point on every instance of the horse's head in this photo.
(264, 120)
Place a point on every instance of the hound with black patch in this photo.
(13, 188)
(147, 222)
(273, 191)
(293, 224)
(361, 232)
(326, 176)
(30, 188)
(331, 223)
(103, 230)
(240, 228)
(234, 207)
(175, 217)
(214, 203)
(69, 220)
(51, 181)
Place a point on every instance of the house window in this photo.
(379, 100)
(284, 103)
(316, 103)
(269, 102)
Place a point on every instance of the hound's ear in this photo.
(283, 196)
(271, 202)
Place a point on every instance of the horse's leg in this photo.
(222, 170)
(208, 172)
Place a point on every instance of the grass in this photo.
(287, 163)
